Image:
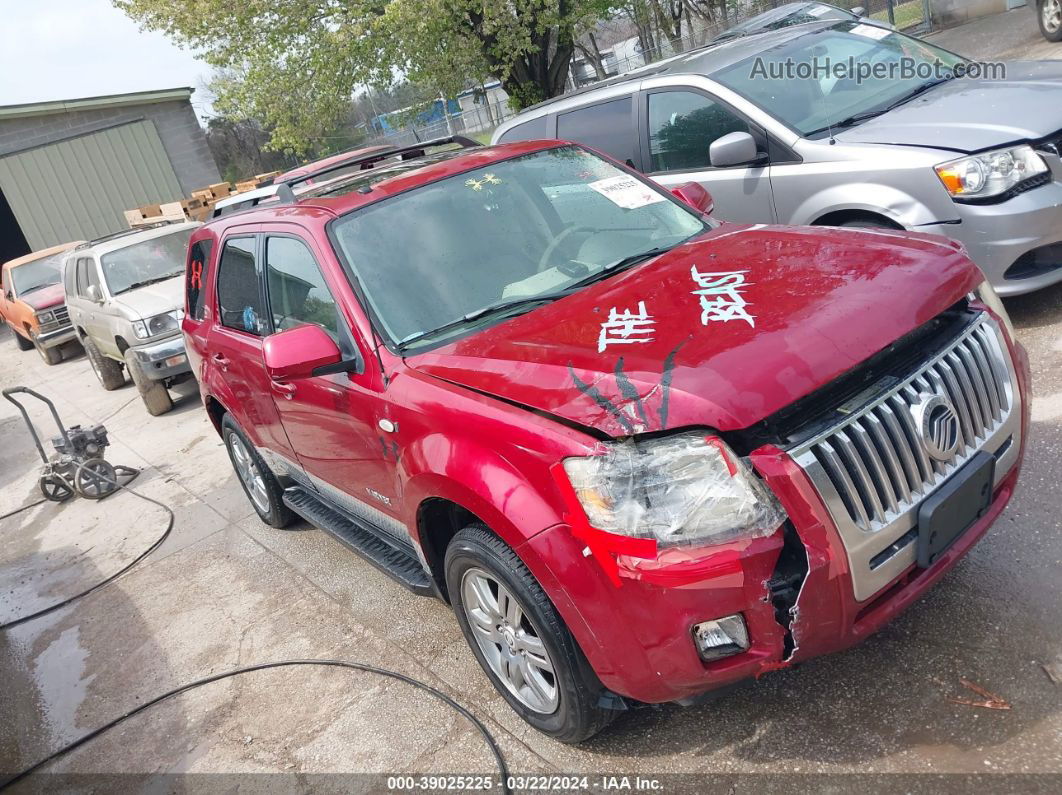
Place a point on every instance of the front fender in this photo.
(897, 205)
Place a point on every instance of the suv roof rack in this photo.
(123, 233)
(252, 198)
(405, 152)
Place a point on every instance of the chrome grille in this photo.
(872, 469)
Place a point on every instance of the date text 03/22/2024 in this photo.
(533, 783)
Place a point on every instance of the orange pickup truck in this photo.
(32, 302)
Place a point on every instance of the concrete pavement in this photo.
(225, 590)
(1013, 35)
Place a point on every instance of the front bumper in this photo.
(997, 235)
(164, 359)
(59, 336)
(638, 636)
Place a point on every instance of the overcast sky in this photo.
(63, 49)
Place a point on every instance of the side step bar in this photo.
(401, 564)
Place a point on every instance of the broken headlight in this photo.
(159, 324)
(685, 489)
(986, 294)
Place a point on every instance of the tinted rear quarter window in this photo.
(530, 130)
(196, 277)
(606, 127)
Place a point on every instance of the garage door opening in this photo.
(12, 242)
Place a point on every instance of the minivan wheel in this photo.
(156, 399)
(519, 639)
(259, 484)
(1051, 19)
(108, 371)
(52, 355)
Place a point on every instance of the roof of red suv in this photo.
(363, 188)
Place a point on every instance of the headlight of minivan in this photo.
(159, 324)
(685, 489)
(991, 173)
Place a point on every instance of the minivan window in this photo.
(829, 97)
(530, 130)
(507, 237)
(298, 293)
(145, 263)
(682, 125)
(606, 127)
(239, 296)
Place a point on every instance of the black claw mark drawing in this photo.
(594, 394)
(629, 392)
(665, 381)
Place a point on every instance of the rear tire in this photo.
(108, 371)
(536, 641)
(52, 355)
(156, 399)
(266, 496)
(23, 343)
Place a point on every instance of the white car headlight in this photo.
(159, 324)
(685, 489)
(991, 173)
(987, 296)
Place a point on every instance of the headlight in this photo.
(987, 296)
(686, 489)
(159, 324)
(46, 317)
(990, 174)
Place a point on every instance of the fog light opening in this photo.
(721, 637)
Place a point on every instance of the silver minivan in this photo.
(843, 124)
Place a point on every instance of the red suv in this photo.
(642, 454)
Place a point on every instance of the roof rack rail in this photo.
(125, 232)
(408, 152)
(281, 191)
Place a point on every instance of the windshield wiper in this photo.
(862, 116)
(146, 282)
(619, 265)
(36, 287)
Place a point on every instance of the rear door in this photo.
(679, 125)
(332, 421)
(234, 342)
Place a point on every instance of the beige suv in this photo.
(124, 294)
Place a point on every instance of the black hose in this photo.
(495, 749)
(23, 508)
(499, 758)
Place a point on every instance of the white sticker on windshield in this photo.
(626, 192)
(870, 31)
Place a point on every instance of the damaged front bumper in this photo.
(794, 589)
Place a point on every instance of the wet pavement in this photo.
(224, 590)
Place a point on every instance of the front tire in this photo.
(156, 399)
(52, 355)
(519, 639)
(23, 343)
(259, 483)
(108, 371)
(1049, 15)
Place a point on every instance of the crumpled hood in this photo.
(819, 301)
(971, 115)
(45, 298)
(154, 299)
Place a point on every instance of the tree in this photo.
(299, 61)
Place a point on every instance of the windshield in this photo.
(826, 78)
(511, 233)
(34, 275)
(145, 263)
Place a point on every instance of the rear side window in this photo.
(530, 130)
(682, 125)
(298, 293)
(196, 277)
(239, 296)
(606, 127)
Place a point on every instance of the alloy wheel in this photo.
(510, 643)
(248, 472)
(1052, 15)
